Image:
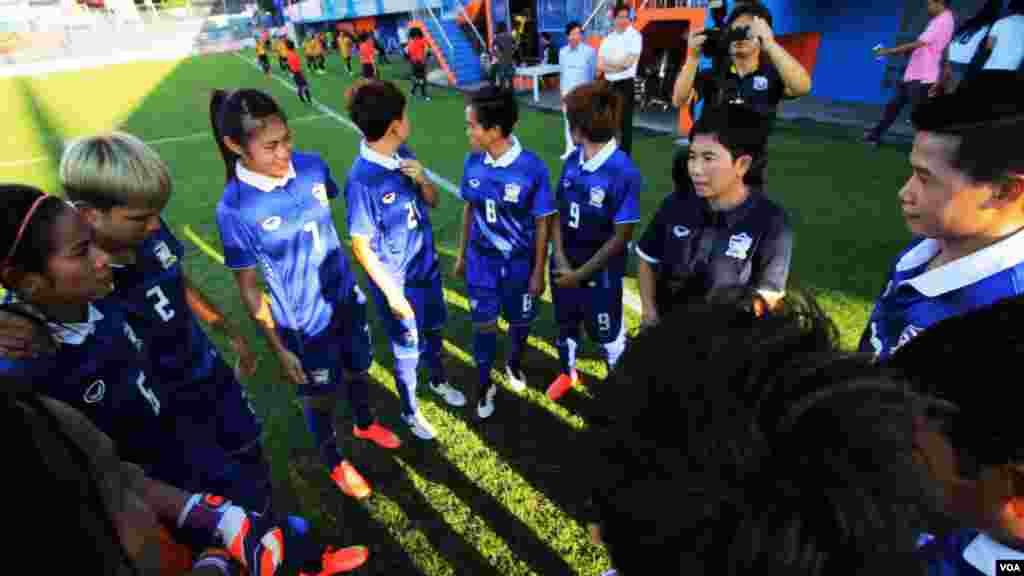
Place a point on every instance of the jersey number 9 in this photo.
(574, 215)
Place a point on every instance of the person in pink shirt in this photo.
(922, 75)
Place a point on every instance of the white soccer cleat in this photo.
(420, 426)
(485, 407)
(452, 396)
(517, 382)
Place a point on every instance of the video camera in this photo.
(718, 40)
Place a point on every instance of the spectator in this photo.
(759, 72)
(368, 56)
(784, 456)
(964, 204)
(922, 74)
(718, 229)
(1006, 41)
(548, 55)
(505, 53)
(617, 59)
(403, 36)
(578, 62)
(981, 460)
(967, 40)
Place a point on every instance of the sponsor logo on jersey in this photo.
(739, 246)
(272, 223)
(566, 183)
(760, 83)
(410, 337)
(320, 193)
(908, 334)
(320, 377)
(95, 392)
(389, 198)
(597, 195)
(680, 231)
(512, 193)
(474, 183)
(164, 255)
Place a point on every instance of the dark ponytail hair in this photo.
(594, 109)
(238, 115)
(32, 250)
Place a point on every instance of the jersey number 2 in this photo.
(162, 304)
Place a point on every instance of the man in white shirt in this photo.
(1006, 40)
(617, 59)
(578, 61)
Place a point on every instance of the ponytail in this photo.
(238, 115)
(230, 158)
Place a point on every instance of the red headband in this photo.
(24, 225)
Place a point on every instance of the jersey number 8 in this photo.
(491, 211)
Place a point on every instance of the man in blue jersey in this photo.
(965, 202)
(121, 186)
(389, 200)
(598, 208)
(504, 240)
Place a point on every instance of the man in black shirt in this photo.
(504, 52)
(717, 230)
(761, 73)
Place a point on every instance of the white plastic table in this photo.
(537, 72)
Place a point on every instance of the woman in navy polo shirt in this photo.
(717, 230)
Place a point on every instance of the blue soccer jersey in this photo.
(966, 553)
(508, 195)
(593, 197)
(102, 369)
(285, 227)
(153, 287)
(915, 297)
(386, 206)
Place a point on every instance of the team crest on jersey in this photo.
(739, 246)
(597, 195)
(512, 193)
(389, 198)
(95, 392)
(272, 223)
(164, 255)
(680, 231)
(760, 83)
(320, 193)
(474, 183)
(132, 337)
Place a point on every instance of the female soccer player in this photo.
(389, 200)
(261, 52)
(368, 56)
(295, 65)
(504, 240)
(597, 208)
(275, 218)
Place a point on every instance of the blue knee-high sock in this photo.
(517, 335)
(485, 348)
(405, 379)
(433, 351)
(567, 338)
(614, 349)
(321, 424)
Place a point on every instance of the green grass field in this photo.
(498, 498)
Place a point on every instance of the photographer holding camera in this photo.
(750, 68)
